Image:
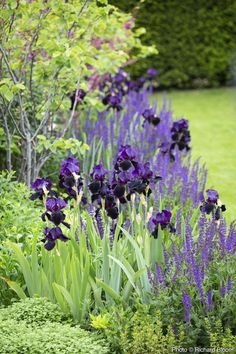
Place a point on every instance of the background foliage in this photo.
(196, 40)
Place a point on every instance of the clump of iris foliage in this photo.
(133, 225)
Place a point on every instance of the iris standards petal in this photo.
(55, 204)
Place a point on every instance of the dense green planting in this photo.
(53, 338)
(34, 312)
(196, 40)
(147, 329)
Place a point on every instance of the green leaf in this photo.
(16, 287)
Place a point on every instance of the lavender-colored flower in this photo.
(186, 299)
(55, 204)
(69, 167)
(51, 235)
(223, 289)
(209, 300)
(229, 284)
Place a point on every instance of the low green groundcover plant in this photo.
(35, 326)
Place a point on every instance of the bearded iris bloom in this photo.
(42, 186)
(180, 135)
(69, 177)
(69, 167)
(151, 117)
(126, 158)
(212, 204)
(51, 236)
(113, 101)
(161, 219)
(54, 212)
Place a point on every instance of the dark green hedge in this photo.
(196, 40)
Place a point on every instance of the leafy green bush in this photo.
(136, 331)
(195, 39)
(18, 217)
(34, 311)
(53, 338)
(145, 329)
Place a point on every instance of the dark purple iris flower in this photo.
(99, 173)
(40, 185)
(151, 73)
(77, 96)
(180, 135)
(51, 235)
(163, 219)
(113, 100)
(212, 196)
(121, 77)
(68, 180)
(54, 212)
(151, 117)
(126, 158)
(212, 204)
(55, 204)
(69, 166)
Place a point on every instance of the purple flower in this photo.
(186, 299)
(98, 173)
(55, 204)
(211, 204)
(180, 135)
(212, 196)
(120, 77)
(77, 96)
(151, 73)
(151, 117)
(51, 235)
(113, 101)
(40, 183)
(162, 219)
(126, 153)
(209, 300)
(69, 166)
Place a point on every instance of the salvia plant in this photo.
(133, 218)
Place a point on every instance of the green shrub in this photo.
(19, 221)
(137, 331)
(18, 216)
(195, 39)
(53, 338)
(33, 311)
(147, 330)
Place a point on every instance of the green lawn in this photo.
(212, 116)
